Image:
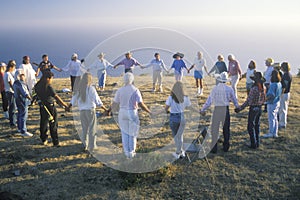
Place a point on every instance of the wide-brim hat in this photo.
(223, 77)
(258, 77)
(181, 55)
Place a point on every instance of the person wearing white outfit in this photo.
(199, 65)
(86, 98)
(285, 96)
(100, 65)
(128, 98)
(30, 73)
(75, 70)
(249, 75)
(267, 74)
(158, 67)
(235, 72)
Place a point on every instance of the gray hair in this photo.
(231, 56)
(128, 78)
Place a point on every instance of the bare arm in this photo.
(144, 107)
(61, 102)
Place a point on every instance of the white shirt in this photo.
(92, 100)
(178, 107)
(128, 97)
(250, 72)
(199, 64)
(29, 74)
(100, 65)
(8, 77)
(220, 95)
(73, 67)
(268, 74)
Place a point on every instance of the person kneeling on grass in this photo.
(177, 102)
(255, 100)
(87, 99)
(22, 97)
(48, 113)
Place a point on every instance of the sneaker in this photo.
(27, 134)
(19, 131)
(269, 135)
(182, 155)
(45, 142)
(275, 136)
(161, 90)
(153, 90)
(176, 156)
(201, 92)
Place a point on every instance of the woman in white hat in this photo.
(100, 65)
(221, 96)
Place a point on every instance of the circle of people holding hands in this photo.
(266, 92)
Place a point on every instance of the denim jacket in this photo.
(274, 92)
(21, 91)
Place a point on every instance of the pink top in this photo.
(234, 68)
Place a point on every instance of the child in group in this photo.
(255, 100)
(23, 99)
(87, 99)
(178, 65)
(199, 65)
(177, 102)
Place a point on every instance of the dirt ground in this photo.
(33, 171)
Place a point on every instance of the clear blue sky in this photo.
(250, 29)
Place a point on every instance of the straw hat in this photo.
(223, 77)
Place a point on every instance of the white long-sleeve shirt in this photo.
(92, 100)
(73, 67)
(268, 74)
(221, 95)
(100, 65)
(158, 65)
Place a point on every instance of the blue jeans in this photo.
(101, 80)
(11, 108)
(272, 116)
(22, 115)
(254, 125)
(177, 125)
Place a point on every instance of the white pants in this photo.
(178, 75)
(157, 77)
(89, 128)
(234, 83)
(283, 109)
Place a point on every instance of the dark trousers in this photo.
(4, 101)
(44, 122)
(11, 108)
(254, 125)
(128, 70)
(221, 115)
(74, 82)
(22, 115)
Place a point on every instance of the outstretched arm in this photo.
(144, 107)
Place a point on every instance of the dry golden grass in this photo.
(68, 172)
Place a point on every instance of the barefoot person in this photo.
(255, 100)
(86, 98)
(128, 98)
(23, 99)
(221, 96)
(199, 65)
(48, 114)
(177, 102)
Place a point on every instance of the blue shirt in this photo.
(219, 67)
(274, 92)
(21, 91)
(178, 65)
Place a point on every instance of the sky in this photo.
(254, 29)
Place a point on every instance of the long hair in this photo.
(85, 82)
(177, 92)
(275, 77)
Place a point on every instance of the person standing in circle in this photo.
(87, 99)
(177, 102)
(267, 74)
(178, 65)
(235, 72)
(100, 65)
(30, 74)
(74, 68)
(285, 96)
(199, 65)
(219, 67)
(249, 75)
(158, 65)
(129, 62)
(128, 98)
(46, 65)
(48, 114)
(2, 90)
